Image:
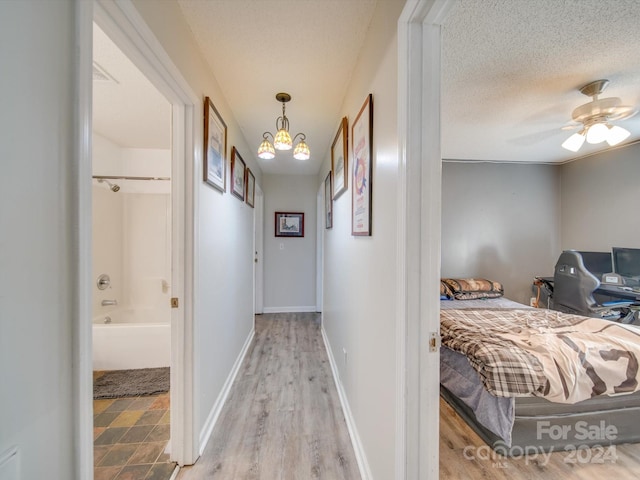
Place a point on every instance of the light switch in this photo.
(282, 246)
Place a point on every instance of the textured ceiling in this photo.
(307, 48)
(512, 69)
(511, 72)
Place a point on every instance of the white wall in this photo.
(290, 263)
(224, 238)
(112, 159)
(37, 232)
(108, 246)
(600, 198)
(500, 221)
(131, 228)
(359, 272)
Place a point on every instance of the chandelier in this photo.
(282, 139)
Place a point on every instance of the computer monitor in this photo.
(597, 263)
(626, 262)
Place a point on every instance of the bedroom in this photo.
(512, 198)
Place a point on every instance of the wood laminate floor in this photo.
(464, 456)
(283, 418)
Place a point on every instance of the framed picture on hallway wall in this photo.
(237, 174)
(289, 224)
(250, 187)
(339, 160)
(328, 202)
(215, 147)
(361, 176)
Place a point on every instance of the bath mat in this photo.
(131, 383)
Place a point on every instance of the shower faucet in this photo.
(107, 303)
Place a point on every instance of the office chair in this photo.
(573, 287)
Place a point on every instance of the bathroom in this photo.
(131, 168)
(131, 264)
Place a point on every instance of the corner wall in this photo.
(290, 263)
(500, 221)
(600, 198)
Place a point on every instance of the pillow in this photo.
(473, 288)
(445, 291)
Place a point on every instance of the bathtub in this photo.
(133, 339)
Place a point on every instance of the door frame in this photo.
(258, 248)
(320, 226)
(124, 25)
(419, 231)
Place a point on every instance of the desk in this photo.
(604, 293)
(617, 292)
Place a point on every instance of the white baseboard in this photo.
(361, 458)
(290, 309)
(212, 418)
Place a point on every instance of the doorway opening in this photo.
(132, 252)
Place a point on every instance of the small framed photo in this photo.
(215, 147)
(339, 160)
(361, 193)
(237, 174)
(250, 187)
(289, 224)
(328, 202)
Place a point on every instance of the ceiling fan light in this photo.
(266, 150)
(616, 135)
(574, 142)
(302, 151)
(597, 133)
(282, 140)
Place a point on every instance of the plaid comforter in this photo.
(535, 352)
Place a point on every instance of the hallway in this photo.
(283, 418)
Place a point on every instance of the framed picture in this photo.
(339, 156)
(328, 202)
(250, 187)
(215, 147)
(289, 224)
(361, 194)
(237, 174)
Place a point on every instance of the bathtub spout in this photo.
(107, 303)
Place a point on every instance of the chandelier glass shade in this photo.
(302, 151)
(266, 150)
(282, 139)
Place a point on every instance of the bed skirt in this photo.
(543, 426)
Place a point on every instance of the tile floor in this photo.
(129, 438)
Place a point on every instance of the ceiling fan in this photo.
(594, 118)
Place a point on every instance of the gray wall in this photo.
(500, 221)
(290, 271)
(360, 281)
(38, 226)
(600, 200)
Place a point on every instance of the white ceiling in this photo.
(306, 48)
(127, 109)
(511, 73)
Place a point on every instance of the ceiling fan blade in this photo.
(623, 114)
(571, 126)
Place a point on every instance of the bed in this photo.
(539, 415)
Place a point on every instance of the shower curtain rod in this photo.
(113, 177)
